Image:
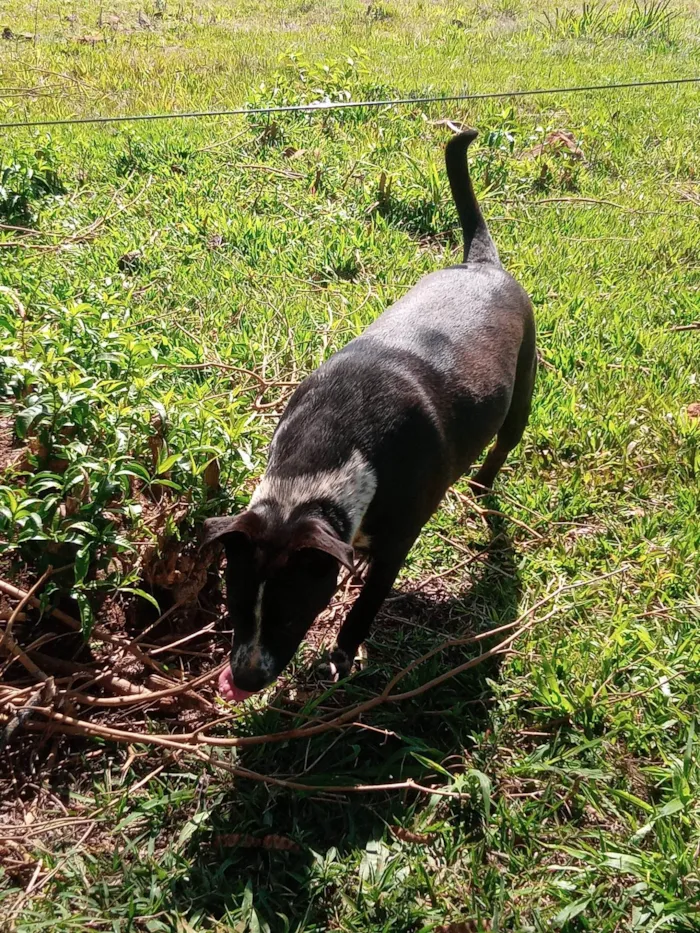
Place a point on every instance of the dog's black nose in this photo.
(250, 679)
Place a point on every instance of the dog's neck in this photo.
(341, 495)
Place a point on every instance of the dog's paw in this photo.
(335, 666)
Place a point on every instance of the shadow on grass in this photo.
(393, 742)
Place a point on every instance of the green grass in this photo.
(268, 244)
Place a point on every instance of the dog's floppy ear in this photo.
(249, 524)
(317, 536)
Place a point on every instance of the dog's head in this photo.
(280, 574)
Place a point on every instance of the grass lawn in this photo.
(162, 284)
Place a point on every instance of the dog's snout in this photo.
(252, 667)
(250, 678)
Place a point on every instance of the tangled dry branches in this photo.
(52, 704)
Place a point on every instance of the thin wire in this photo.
(344, 105)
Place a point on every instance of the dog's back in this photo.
(424, 389)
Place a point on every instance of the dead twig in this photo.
(87, 233)
(64, 75)
(70, 725)
(188, 741)
(39, 90)
(408, 784)
(581, 200)
(7, 634)
(15, 299)
(194, 742)
(33, 887)
(259, 405)
(44, 694)
(105, 678)
(273, 170)
(29, 231)
(695, 325)
(184, 741)
(455, 568)
(97, 632)
(221, 142)
(230, 367)
(622, 697)
(181, 641)
(11, 647)
(480, 510)
(146, 696)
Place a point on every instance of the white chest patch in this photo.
(351, 487)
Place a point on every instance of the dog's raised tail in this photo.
(478, 245)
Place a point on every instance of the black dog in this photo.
(370, 443)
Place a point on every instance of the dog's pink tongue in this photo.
(228, 690)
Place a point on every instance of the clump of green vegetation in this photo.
(300, 82)
(92, 453)
(26, 178)
(650, 19)
(379, 12)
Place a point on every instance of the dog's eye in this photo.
(311, 561)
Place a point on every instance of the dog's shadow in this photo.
(413, 621)
(394, 742)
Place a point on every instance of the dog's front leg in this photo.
(383, 570)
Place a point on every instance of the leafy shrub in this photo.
(93, 458)
(25, 178)
(300, 82)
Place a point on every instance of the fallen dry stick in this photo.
(580, 200)
(230, 367)
(97, 632)
(480, 510)
(108, 679)
(15, 299)
(10, 646)
(72, 726)
(148, 696)
(385, 696)
(680, 327)
(86, 233)
(184, 741)
(349, 717)
(43, 694)
(190, 740)
(408, 784)
(7, 634)
(170, 646)
(455, 568)
(272, 170)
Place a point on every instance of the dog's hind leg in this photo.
(383, 570)
(511, 431)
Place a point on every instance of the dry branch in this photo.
(185, 740)
(147, 696)
(408, 784)
(66, 718)
(15, 299)
(7, 634)
(682, 327)
(230, 367)
(272, 170)
(81, 236)
(97, 632)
